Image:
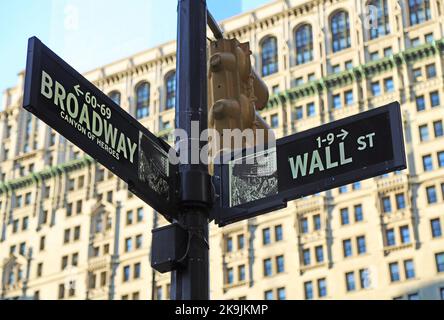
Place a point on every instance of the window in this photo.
(298, 81)
(39, 270)
(350, 281)
(317, 222)
(229, 244)
(275, 90)
(374, 56)
(337, 101)
(409, 269)
(311, 110)
(66, 236)
(280, 267)
(436, 228)
(383, 27)
(15, 226)
(230, 276)
(137, 271)
(420, 103)
(359, 216)
(431, 195)
(266, 237)
(394, 272)
(268, 271)
(170, 84)
(142, 100)
(348, 97)
(274, 121)
(388, 85)
(299, 113)
(427, 163)
(281, 293)
(64, 263)
(413, 296)
(441, 159)
(347, 246)
(304, 44)
(240, 241)
(376, 89)
(139, 241)
(340, 31)
(115, 96)
(336, 68)
(311, 77)
(419, 11)
(61, 293)
(129, 218)
(424, 132)
(439, 258)
(139, 214)
(361, 245)
(76, 233)
(42, 243)
(308, 290)
(322, 288)
(268, 295)
(405, 234)
(319, 254)
(349, 65)
(306, 257)
(79, 206)
(22, 249)
(241, 273)
(128, 244)
(28, 199)
(344, 216)
(343, 189)
(278, 233)
(438, 129)
(431, 71)
(417, 74)
(390, 237)
(364, 278)
(304, 225)
(400, 201)
(441, 291)
(126, 273)
(434, 99)
(269, 54)
(75, 259)
(429, 38)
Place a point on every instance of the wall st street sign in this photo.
(74, 107)
(352, 149)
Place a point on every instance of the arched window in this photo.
(142, 100)
(304, 44)
(382, 26)
(419, 11)
(170, 86)
(115, 96)
(340, 31)
(269, 54)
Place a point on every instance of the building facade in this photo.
(69, 229)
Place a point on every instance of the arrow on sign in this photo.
(78, 91)
(343, 134)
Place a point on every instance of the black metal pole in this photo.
(192, 281)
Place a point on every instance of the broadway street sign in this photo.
(74, 107)
(338, 153)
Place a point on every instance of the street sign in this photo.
(74, 107)
(338, 153)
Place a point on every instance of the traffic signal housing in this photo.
(236, 92)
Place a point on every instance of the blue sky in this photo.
(90, 33)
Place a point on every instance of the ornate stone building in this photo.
(71, 230)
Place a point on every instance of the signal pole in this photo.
(191, 282)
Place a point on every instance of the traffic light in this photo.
(235, 91)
